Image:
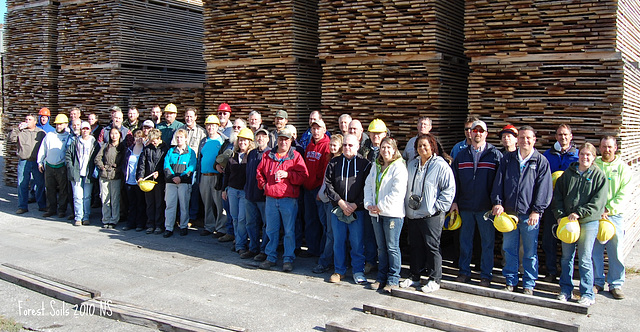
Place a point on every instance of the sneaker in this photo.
(359, 278)
(167, 234)
(527, 291)
(431, 286)
(368, 267)
(184, 231)
(597, 289)
(267, 265)
(287, 267)
(509, 288)
(617, 293)
(21, 211)
(226, 238)
(389, 288)
(336, 278)
(376, 285)
(149, 230)
(320, 269)
(406, 283)
(247, 254)
(562, 297)
(463, 278)
(77, 223)
(585, 301)
(105, 226)
(550, 278)
(158, 231)
(260, 257)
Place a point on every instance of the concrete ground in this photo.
(198, 277)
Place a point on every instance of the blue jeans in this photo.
(487, 239)
(281, 212)
(27, 169)
(82, 198)
(354, 233)
(615, 276)
(511, 246)
(238, 210)
(588, 233)
(313, 223)
(255, 222)
(326, 258)
(387, 232)
(369, 241)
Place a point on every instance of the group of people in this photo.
(344, 196)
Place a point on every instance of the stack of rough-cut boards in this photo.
(397, 61)
(262, 55)
(544, 63)
(96, 54)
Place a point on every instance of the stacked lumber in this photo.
(146, 96)
(397, 61)
(262, 55)
(30, 67)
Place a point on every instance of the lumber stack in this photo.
(261, 55)
(146, 96)
(397, 61)
(30, 67)
(543, 63)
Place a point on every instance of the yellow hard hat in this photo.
(246, 133)
(146, 185)
(171, 108)
(61, 118)
(568, 231)
(377, 126)
(212, 119)
(505, 223)
(555, 176)
(452, 221)
(606, 231)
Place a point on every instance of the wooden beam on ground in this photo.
(336, 327)
(499, 313)
(515, 297)
(417, 319)
(49, 288)
(164, 322)
(61, 283)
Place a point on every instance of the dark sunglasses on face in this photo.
(480, 130)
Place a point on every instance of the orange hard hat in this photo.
(224, 107)
(44, 111)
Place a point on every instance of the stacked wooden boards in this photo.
(262, 55)
(543, 63)
(397, 61)
(30, 67)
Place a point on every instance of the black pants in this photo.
(57, 187)
(424, 241)
(155, 206)
(135, 197)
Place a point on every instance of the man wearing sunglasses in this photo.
(467, 137)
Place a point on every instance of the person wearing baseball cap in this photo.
(80, 157)
(281, 118)
(509, 138)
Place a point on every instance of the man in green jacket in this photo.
(619, 176)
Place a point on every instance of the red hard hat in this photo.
(44, 111)
(224, 107)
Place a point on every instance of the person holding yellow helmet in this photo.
(580, 195)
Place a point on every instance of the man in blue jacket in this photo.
(560, 156)
(523, 188)
(475, 169)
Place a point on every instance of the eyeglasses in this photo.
(237, 127)
(348, 145)
(478, 131)
(467, 129)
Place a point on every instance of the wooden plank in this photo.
(43, 287)
(55, 281)
(604, 56)
(417, 319)
(506, 314)
(514, 297)
(337, 327)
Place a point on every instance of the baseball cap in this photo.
(148, 123)
(479, 123)
(282, 114)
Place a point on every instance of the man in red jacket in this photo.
(316, 158)
(280, 174)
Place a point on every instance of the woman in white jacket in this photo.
(384, 193)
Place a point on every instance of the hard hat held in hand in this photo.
(505, 223)
(568, 231)
(555, 176)
(606, 231)
(146, 185)
(452, 221)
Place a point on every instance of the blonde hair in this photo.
(394, 145)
